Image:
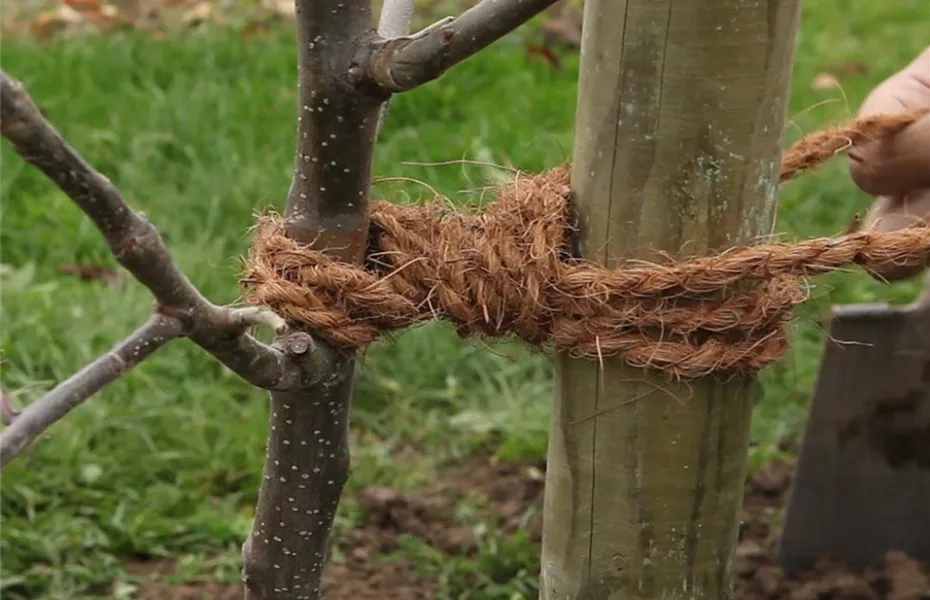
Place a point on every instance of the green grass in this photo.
(198, 132)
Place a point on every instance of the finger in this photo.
(890, 213)
(895, 165)
(902, 163)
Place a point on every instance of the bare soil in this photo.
(508, 491)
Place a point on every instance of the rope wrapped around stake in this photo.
(509, 271)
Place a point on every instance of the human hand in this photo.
(897, 170)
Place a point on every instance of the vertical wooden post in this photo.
(677, 149)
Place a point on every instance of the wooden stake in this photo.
(677, 147)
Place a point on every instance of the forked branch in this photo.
(137, 245)
(24, 427)
(401, 64)
(182, 311)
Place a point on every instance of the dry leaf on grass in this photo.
(285, 8)
(545, 53)
(824, 81)
(199, 13)
(851, 67)
(101, 273)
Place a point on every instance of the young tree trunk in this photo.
(346, 74)
(677, 148)
(307, 457)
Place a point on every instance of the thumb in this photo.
(902, 163)
(895, 165)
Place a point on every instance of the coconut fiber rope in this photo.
(509, 271)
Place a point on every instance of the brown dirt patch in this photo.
(505, 491)
(760, 578)
(207, 590)
(153, 589)
(511, 492)
(363, 574)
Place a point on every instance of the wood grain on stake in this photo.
(680, 112)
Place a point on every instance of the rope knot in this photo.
(509, 271)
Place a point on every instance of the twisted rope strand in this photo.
(508, 271)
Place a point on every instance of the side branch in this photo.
(138, 247)
(396, 16)
(401, 64)
(67, 395)
(395, 19)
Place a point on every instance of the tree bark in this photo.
(340, 102)
(402, 64)
(307, 457)
(677, 147)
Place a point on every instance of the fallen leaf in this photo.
(254, 27)
(545, 53)
(84, 5)
(48, 22)
(285, 8)
(108, 13)
(200, 13)
(102, 273)
(851, 68)
(824, 81)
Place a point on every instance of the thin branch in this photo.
(398, 65)
(395, 19)
(394, 22)
(132, 239)
(137, 245)
(67, 395)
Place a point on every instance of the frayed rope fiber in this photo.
(508, 271)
